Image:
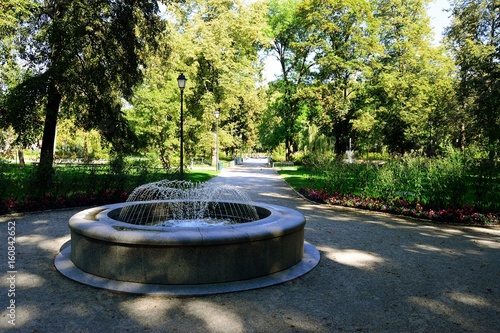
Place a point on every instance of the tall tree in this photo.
(83, 58)
(474, 38)
(342, 35)
(220, 54)
(154, 115)
(403, 75)
(289, 45)
(12, 14)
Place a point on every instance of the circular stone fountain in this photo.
(190, 244)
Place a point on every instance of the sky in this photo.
(439, 18)
(439, 21)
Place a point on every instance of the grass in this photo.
(299, 177)
(200, 176)
(78, 185)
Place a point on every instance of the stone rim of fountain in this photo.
(127, 233)
(96, 224)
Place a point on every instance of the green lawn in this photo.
(299, 177)
(75, 185)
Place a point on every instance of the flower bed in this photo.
(464, 215)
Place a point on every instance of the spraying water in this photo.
(186, 204)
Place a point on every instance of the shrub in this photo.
(453, 186)
(71, 186)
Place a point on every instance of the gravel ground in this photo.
(378, 273)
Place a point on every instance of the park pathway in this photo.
(260, 183)
(378, 273)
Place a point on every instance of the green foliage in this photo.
(11, 10)
(486, 184)
(473, 37)
(155, 116)
(74, 143)
(289, 38)
(402, 90)
(78, 185)
(22, 109)
(215, 45)
(224, 39)
(448, 179)
(342, 35)
(83, 56)
(361, 70)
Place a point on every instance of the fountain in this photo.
(189, 204)
(179, 238)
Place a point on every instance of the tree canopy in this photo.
(369, 71)
(215, 44)
(81, 58)
(366, 72)
(474, 39)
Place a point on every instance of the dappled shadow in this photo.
(377, 273)
(49, 302)
(429, 277)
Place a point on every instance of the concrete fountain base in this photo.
(112, 254)
(67, 268)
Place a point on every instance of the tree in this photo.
(404, 75)
(474, 38)
(342, 35)
(219, 54)
(289, 45)
(214, 43)
(154, 115)
(83, 57)
(12, 12)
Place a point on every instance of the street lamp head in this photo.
(217, 114)
(181, 81)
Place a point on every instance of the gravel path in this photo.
(378, 273)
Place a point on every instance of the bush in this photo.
(446, 180)
(71, 185)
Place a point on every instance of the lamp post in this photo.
(217, 114)
(431, 122)
(181, 81)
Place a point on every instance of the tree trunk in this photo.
(20, 154)
(53, 102)
(290, 147)
(461, 139)
(339, 146)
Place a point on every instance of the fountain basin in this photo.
(103, 246)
